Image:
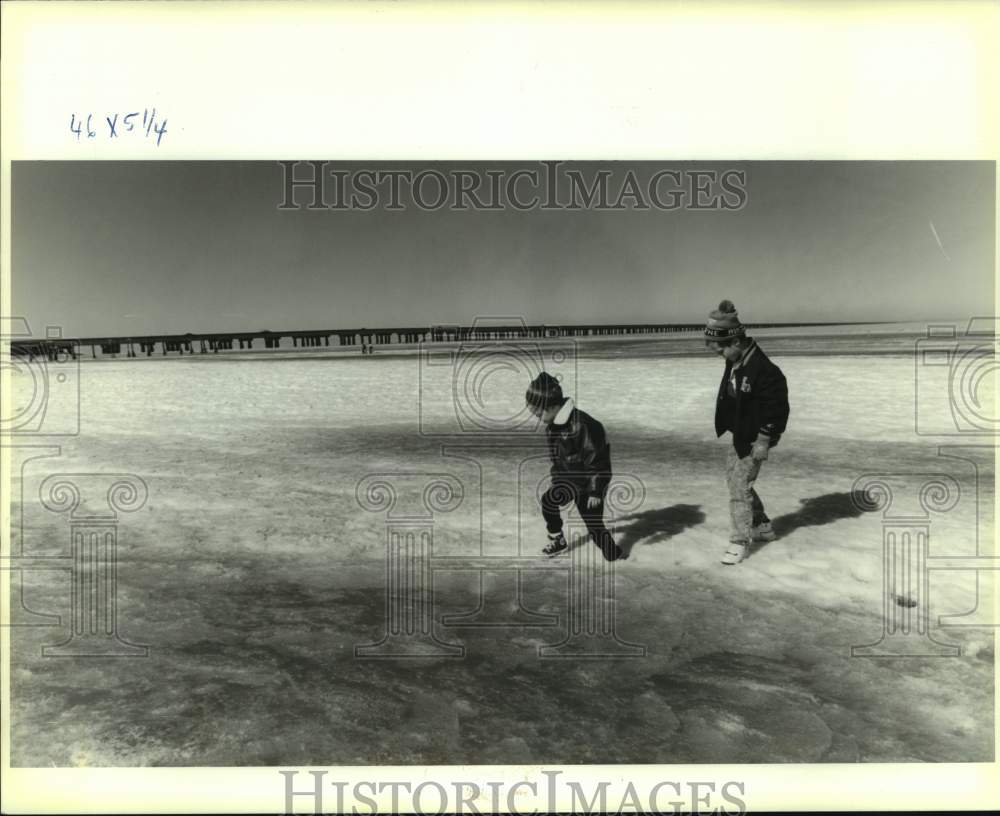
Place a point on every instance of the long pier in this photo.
(53, 348)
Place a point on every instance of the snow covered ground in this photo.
(252, 572)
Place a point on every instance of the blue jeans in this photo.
(745, 507)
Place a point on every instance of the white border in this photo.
(391, 80)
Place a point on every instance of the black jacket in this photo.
(760, 405)
(580, 452)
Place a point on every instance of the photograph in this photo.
(502, 463)
(419, 407)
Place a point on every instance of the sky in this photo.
(129, 248)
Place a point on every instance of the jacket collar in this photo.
(746, 356)
(562, 417)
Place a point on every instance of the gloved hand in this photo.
(760, 448)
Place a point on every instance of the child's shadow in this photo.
(816, 511)
(652, 526)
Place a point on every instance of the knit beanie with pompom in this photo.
(724, 323)
(544, 391)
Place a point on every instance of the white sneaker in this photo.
(763, 532)
(735, 552)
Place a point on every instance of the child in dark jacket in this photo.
(581, 465)
(753, 405)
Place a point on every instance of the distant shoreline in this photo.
(408, 353)
(778, 343)
(830, 340)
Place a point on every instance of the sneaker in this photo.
(556, 545)
(763, 532)
(735, 552)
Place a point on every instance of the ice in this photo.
(252, 573)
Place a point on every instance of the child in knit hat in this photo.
(752, 404)
(581, 465)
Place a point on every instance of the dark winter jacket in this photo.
(760, 403)
(579, 450)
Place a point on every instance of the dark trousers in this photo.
(561, 493)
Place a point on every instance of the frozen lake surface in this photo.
(252, 573)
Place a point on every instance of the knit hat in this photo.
(724, 323)
(544, 391)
